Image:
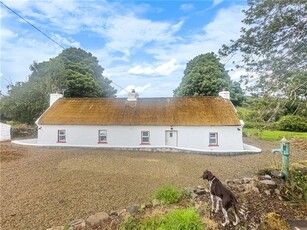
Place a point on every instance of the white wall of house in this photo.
(189, 137)
(5, 132)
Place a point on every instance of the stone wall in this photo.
(24, 133)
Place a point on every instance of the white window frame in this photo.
(62, 136)
(145, 136)
(102, 134)
(213, 139)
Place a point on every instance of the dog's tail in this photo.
(236, 207)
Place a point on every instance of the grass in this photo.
(273, 135)
(179, 219)
(168, 195)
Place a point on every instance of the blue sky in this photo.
(142, 45)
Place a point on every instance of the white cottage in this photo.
(190, 123)
(5, 132)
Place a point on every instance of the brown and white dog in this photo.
(220, 193)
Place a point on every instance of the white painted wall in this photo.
(5, 132)
(190, 137)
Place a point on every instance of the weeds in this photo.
(180, 219)
(168, 195)
(296, 187)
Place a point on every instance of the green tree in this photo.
(206, 76)
(73, 69)
(273, 48)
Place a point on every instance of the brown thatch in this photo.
(176, 111)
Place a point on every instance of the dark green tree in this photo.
(74, 69)
(206, 76)
(273, 48)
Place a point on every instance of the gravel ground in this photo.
(44, 187)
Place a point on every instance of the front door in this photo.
(171, 137)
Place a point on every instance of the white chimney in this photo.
(54, 97)
(132, 96)
(224, 94)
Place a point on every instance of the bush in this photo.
(182, 219)
(296, 187)
(293, 123)
(168, 195)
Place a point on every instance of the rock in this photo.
(78, 223)
(246, 180)
(200, 187)
(247, 188)
(122, 212)
(97, 218)
(189, 190)
(298, 224)
(266, 177)
(193, 195)
(268, 183)
(300, 166)
(267, 192)
(237, 181)
(255, 189)
(113, 213)
(155, 203)
(275, 174)
(229, 182)
(200, 191)
(143, 206)
(134, 209)
(277, 192)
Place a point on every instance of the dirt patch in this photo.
(50, 186)
(7, 153)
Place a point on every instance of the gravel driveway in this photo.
(44, 187)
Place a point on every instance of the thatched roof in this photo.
(176, 111)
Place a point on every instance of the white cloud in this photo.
(187, 7)
(163, 69)
(216, 2)
(69, 42)
(128, 33)
(138, 89)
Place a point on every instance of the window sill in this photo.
(213, 145)
(145, 144)
(103, 142)
(61, 142)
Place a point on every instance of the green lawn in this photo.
(270, 135)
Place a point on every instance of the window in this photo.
(213, 139)
(145, 137)
(62, 136)
(102, 136)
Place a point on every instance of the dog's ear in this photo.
(210, 175)
(205, 175)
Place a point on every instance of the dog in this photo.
(222, 195)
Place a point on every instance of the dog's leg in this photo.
(237, 219)
(218, 202)
(225, 216)
(212, 201)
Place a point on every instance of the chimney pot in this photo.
(225, 94)
(54, 97)
(132, 96)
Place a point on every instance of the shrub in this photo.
(182, 219)
(274, 221)
(168, 195)
(293, 123)
(296, 187)
(130, 224)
